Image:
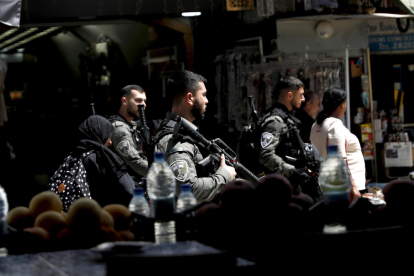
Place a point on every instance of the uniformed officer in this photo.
(276, 141)
(188, 95)
(126, 137)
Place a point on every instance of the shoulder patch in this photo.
(266, 139)
(180, 170)
(124, 147)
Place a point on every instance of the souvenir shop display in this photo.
(242, 71)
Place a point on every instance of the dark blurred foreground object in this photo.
(185, 258)
(141, 258)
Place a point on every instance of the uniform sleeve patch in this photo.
(266, 139)
(180, 170)
(124, 148)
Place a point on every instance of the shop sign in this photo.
(384, 43)
(386, 26)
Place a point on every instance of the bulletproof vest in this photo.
(137, 143)
(289, 146)
(136, 134)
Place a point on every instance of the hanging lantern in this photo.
(240, 5)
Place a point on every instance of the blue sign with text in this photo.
(386, 43)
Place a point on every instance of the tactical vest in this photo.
(167, 127)
(135, 133)
(288, 145)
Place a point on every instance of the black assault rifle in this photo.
(216, 147)
(255, 116)
(249, 143)
(306, 156)
(146, 135)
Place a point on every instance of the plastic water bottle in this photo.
(335, 184)
(161, 191)
(4, 209)
(186, 200)
(139, 204)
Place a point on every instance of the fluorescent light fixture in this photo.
(26, 40)
(7, 33)
(190, 14)
(17, 37)
(21, 50)
(391, 15)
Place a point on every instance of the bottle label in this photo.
(335, 197)
(162, 209)
(164, 232)
(3, 227)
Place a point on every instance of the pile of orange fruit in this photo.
(86, 223)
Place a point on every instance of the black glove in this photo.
(299, 176)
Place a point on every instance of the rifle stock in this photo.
(216, 147)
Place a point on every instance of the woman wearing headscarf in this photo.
(106, 172)
(329, 130)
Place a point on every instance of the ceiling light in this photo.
(17, 37)
(190, 14)
(7, 33)
(26, 40)
(21, 50)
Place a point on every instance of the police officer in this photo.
(307, 114)
(188, 95)
(126, 137)
(276, 141)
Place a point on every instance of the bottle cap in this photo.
(158, 156)
(332, 149)
(185, 187)
(138, 191)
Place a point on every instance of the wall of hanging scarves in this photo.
(240, 74)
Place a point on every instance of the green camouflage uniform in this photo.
(125, 142)
(183, 155)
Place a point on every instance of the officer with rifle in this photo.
(127, 138)
(280, 148)
(188, 95)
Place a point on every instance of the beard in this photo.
(132, 114)
(197, 112)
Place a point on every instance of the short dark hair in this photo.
(126, 91)
(181, 82)
(287, 83)
(332, 98)
(309, 97)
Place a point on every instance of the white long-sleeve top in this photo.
(333, 132)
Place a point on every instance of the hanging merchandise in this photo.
(265, 8)
(241, 73)
(233, 83)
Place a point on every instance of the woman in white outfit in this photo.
(329, 130)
